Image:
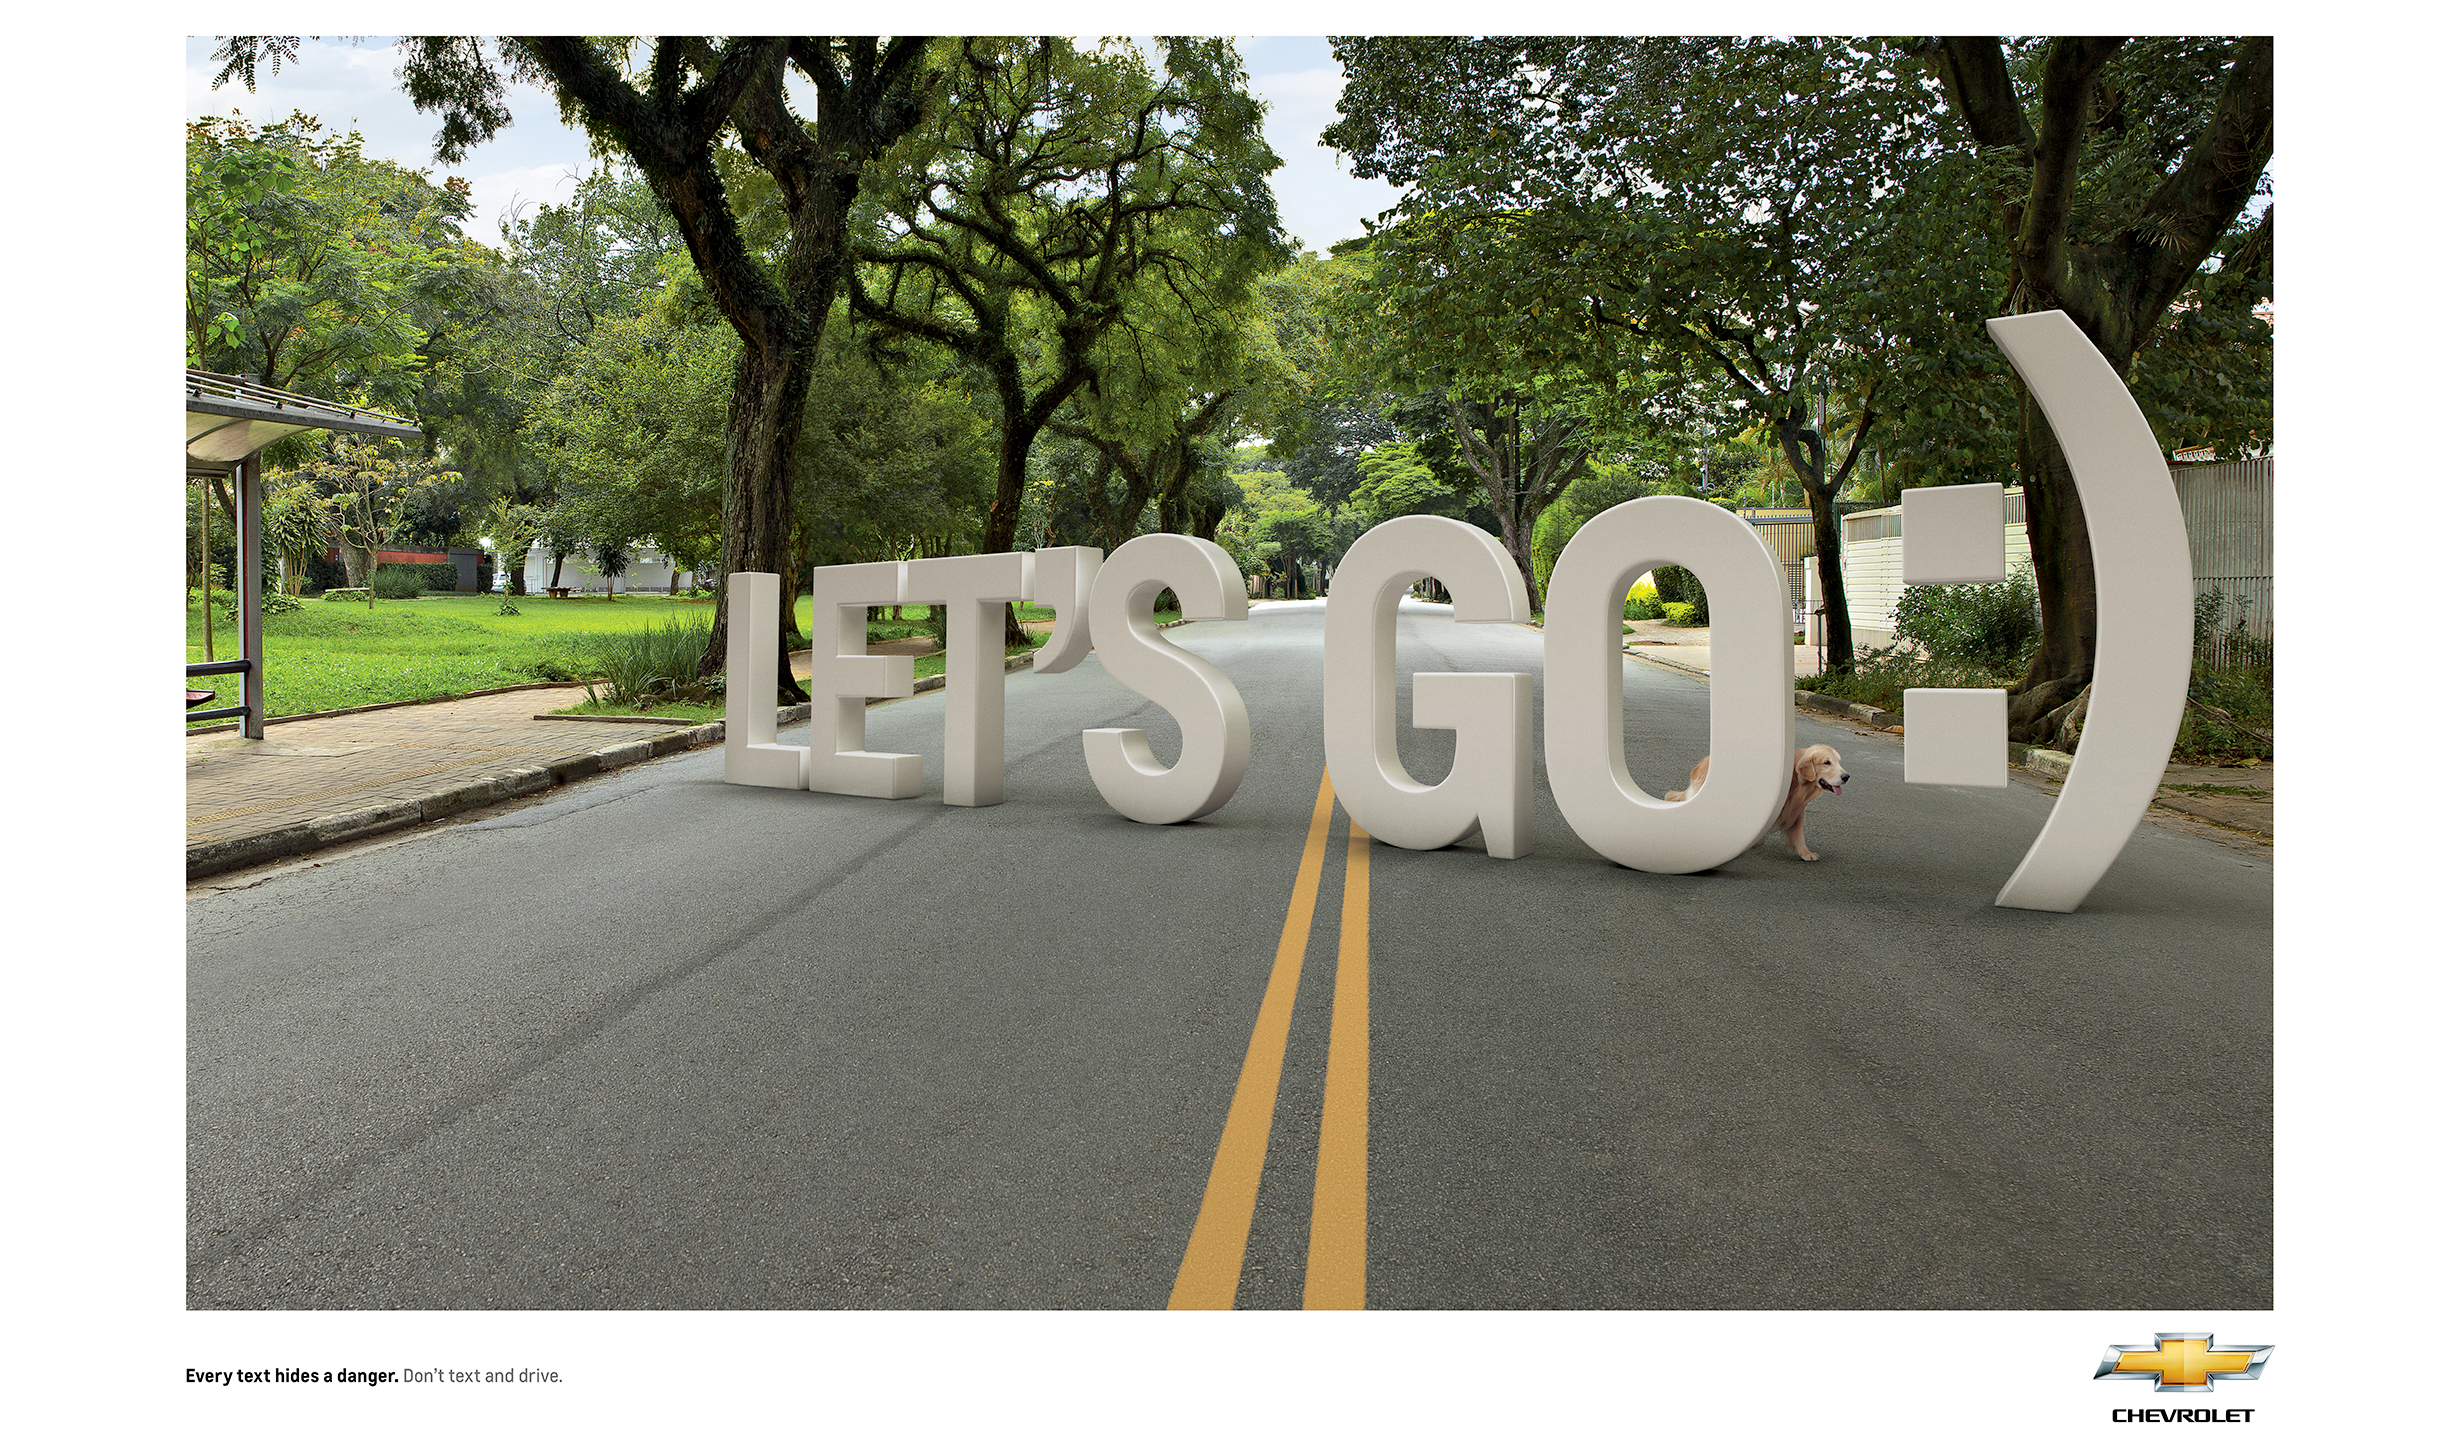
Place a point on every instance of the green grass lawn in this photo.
(925, 666)
(333, 655)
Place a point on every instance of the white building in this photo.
(650, 570)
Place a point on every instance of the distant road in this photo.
(658, 1041)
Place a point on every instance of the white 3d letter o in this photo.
(1489, 787)
(1213, 740)
(1751, 717)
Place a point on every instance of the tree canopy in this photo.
(1075, 218)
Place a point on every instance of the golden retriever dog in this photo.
(1816, 768)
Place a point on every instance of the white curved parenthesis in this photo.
(1751, 714)
(1213, 733)
(1489, 787)
(2145, 585)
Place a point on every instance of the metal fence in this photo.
(2228, 509)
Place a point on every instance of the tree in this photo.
(314, 268)
(607, 253)
(1639, 226)
(1336, 406)
(2122, 169)
(369, 483)
(1061, 190)
(1179, 381)
(297, 527)
(512, 528)
(1395, 479)
(309, 265)
(609, 553)
(669, 117)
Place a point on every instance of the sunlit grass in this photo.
(334, 655)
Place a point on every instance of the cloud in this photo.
(356, 87)
(1321, 202)
(494, 194)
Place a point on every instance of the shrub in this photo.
(1678, 585)
(1988, 627)
(506, 607)
(1641, 604)
(393, 584)
(1683, 612)
(661, 660)
(1881, 678)
(348, 592)
(439, 578)
(269, 602)
(2216, 630)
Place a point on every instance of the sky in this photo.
(537, 159)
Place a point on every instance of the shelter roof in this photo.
(231, 417)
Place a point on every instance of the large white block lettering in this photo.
(976, 590)
(2145, 578)
(1213, 738)
(1751, 715)
(1062, 579)
(753, 756)
(1489, 787)
(844, 678)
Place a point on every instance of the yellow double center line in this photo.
(1337, 1240)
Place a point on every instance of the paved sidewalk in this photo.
(1685, 647)
(316, 782)
(307, 770)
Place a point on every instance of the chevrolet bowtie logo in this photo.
(2183, 1360)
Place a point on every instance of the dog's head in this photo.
(1819, 765)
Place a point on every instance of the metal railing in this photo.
(219, 667)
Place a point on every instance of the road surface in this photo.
(657, 1041)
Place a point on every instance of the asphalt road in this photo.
(657, 1041)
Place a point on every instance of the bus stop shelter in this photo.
(231, 419)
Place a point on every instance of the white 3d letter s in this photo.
(1212, 719)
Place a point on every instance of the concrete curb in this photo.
(1870, 715)
(2052, 763)
(394, 705)
(212, 857)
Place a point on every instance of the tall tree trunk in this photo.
(1806, 451)
(2062, 575)
(1016, 443)
(764, 423)
(1827, 546)
(2116, 285)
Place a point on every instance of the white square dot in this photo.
(1956, 737)
(1955, 535)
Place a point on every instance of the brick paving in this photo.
(306, 769)
(313, 782)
